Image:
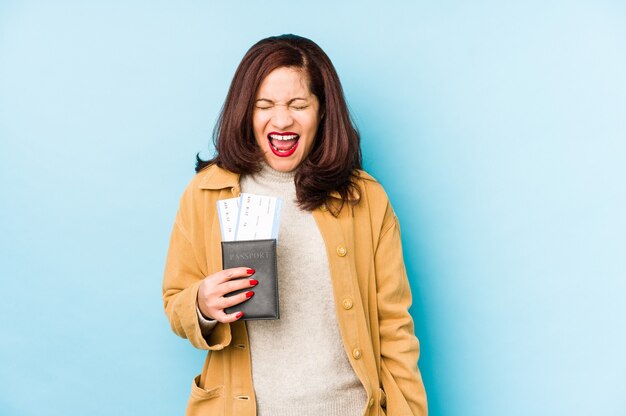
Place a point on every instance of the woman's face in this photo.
(285, 118)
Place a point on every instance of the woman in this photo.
(344, 343)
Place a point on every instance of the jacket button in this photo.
(323, 208)
(347, 304)
(341, 250)
(356, 353)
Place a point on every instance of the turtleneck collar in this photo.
(269, 174)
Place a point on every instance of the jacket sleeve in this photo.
(181, 281)
(400, 376)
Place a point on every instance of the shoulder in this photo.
(373, 207)
(371, 189)
(212, 179)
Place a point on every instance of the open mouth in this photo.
(283, 144)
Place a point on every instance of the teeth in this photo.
(277, 137)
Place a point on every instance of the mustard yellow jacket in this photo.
(370, 286)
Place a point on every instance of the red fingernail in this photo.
(249, 294)
(239, 315)
(254, 282)
(250, 271)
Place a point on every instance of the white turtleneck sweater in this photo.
(299, 365)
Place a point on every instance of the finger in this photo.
(227, 318)
(234, 285)
(229, 274)
(230, 301)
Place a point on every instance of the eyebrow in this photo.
(288, 102)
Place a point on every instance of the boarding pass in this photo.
(249, 217)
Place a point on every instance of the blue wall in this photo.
(497, 129)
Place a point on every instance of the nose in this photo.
(281, 118)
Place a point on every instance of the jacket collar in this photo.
(352, 196)
(214, 177)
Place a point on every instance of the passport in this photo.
(259, 255)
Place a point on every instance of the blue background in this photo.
(498, 129)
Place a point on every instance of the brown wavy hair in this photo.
(336, 153)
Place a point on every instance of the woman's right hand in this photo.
(211, 299)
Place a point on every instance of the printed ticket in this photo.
(228, 212)
(250, 217)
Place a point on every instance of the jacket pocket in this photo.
(205, 401)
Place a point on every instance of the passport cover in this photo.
(259, 255)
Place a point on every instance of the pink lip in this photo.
(282, 154)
